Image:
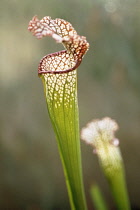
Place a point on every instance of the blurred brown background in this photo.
(31, 176)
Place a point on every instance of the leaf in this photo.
(59, 76)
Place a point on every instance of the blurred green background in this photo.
(31, 175)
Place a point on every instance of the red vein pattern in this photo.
(63, 32)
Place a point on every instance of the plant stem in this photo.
(97, 198)
(112, 165)
(61, 96)
(117, 183)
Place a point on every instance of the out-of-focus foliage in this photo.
(31, 175)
